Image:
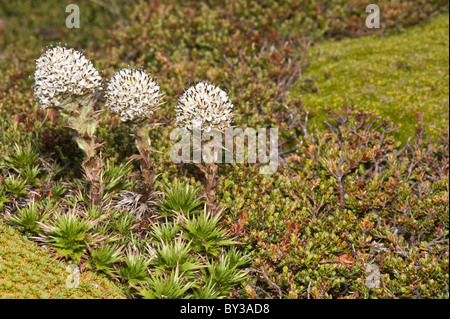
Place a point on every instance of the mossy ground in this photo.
(396, 75)
(28, 271)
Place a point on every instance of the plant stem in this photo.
(148, 170)
(84, 120)
(212, 179)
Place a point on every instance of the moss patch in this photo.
(28, 271)
(397, 76)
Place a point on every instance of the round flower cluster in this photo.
(61, 72)
(133, 94)
(203, 107)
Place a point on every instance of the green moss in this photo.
(28, 271)
(397, 76)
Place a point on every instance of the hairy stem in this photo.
(212, 179)
(84, 120)
(148, 170)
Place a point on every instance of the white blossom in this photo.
(204, 106)
(133, 94)
(61, 72)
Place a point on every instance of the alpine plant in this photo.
(204, 108)
(62, 73)
(66, 81)
(134, 95)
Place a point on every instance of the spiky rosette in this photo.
(133, 94)
(62, 72)
(204, 106)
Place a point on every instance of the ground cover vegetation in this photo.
(357, 185)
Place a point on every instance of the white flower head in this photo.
(133, 94)
(61, 72)
(203, 107)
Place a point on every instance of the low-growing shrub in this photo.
(345, 199)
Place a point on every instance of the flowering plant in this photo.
(205, 108)
(134, 95)
(62, 73)
(67, 81)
